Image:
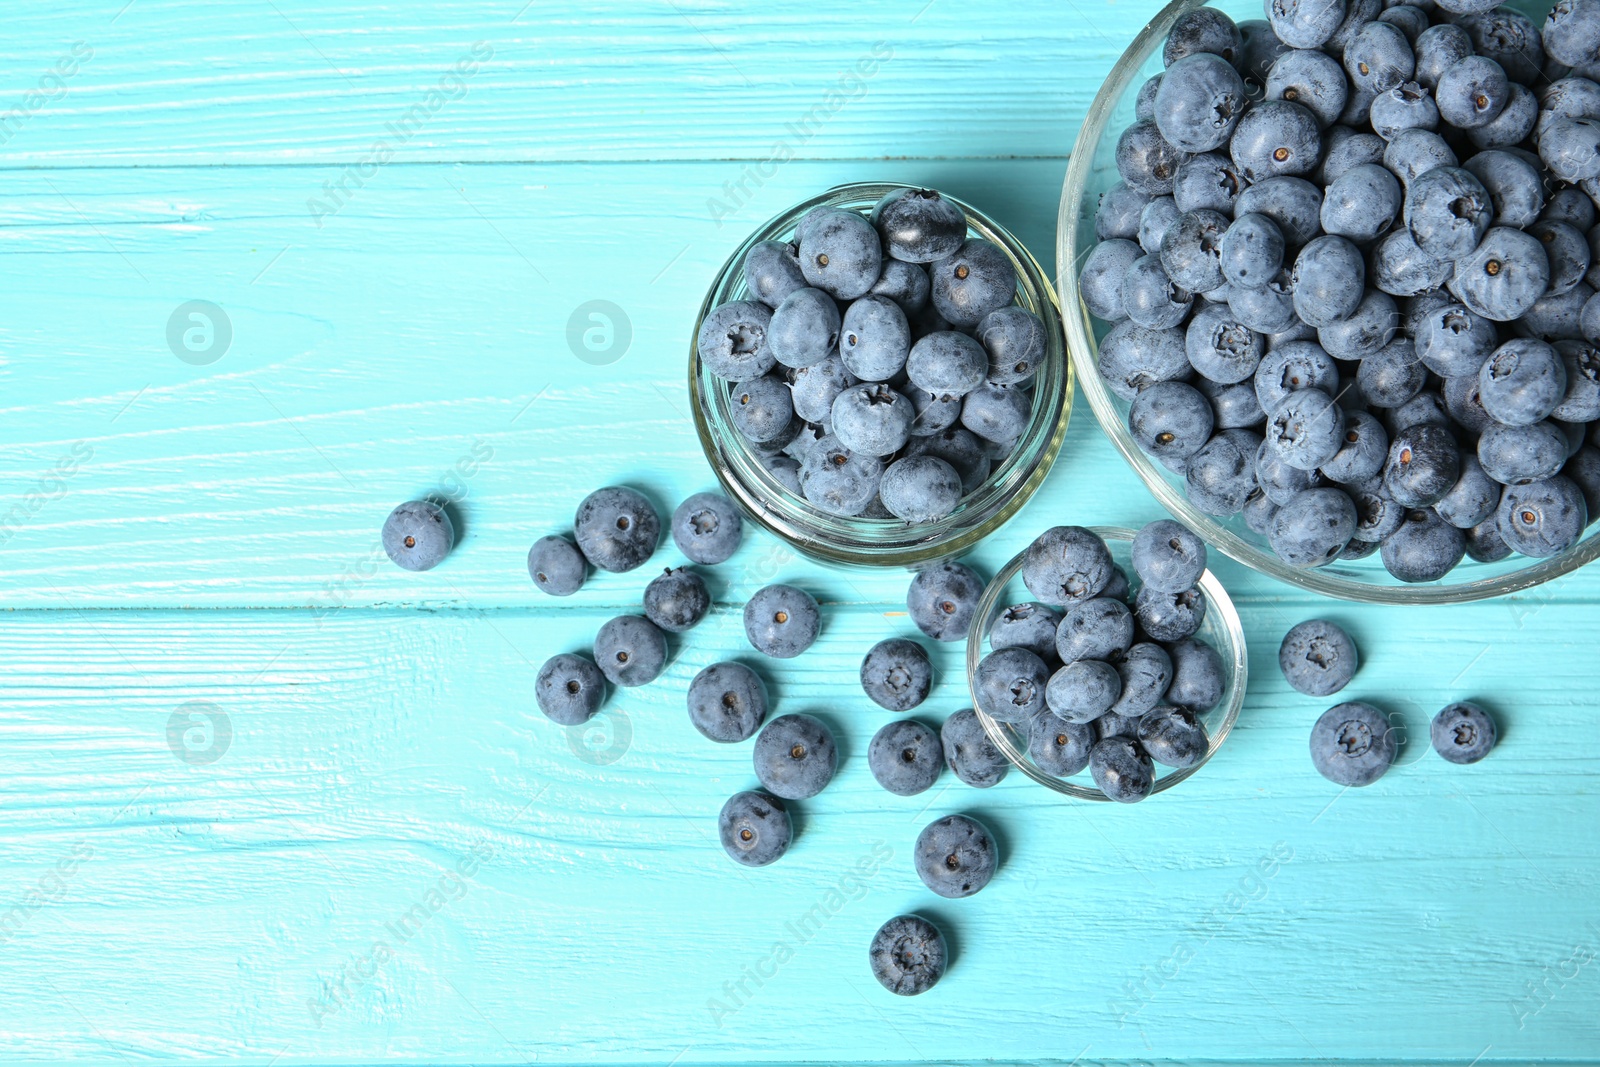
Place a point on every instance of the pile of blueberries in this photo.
(1117, 681)
(879, 366)
(1351, 270)
(1354, 743)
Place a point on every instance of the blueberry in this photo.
(997, 413)
(1514, 123)
(1462, 732)
(1318, 658)
(1113, 725)
(1121, 769)
(838, 480)
(1118, 212)
(569, 689)
(1306, 430)
(1571, 32)
(1377, 515)
(874, 338)
(905, 756)
(814, 389)
(772, 271)
(727, 702)
(1358, 14)
(1485, 544)
(1379, 57)
(556, 566)
(1415, 152)
(1472, 92)
(785, 470)
(676, 600)
(1568, 250)
(919, 225)
(1438, 48)
(1424, 464)
(1344, 149)
(1059, 747)
(1198, 102)
(1030, 625)
(1133, 357)
(942, 598)
(1204, 29)
(754, 828)
(1251, 251)
(1293, 203)
(1014, 339)
(1066, 565)
(630, 650)
(935, 413)
(1207, 180)
(1522, 382)
(1221, 476)
(781, 621)
(1197, 675)
(1293, 366)
(907, 284)
(947, 362)
(1361, 203)
(733, 340)
(1009, 685)
(1391, 376)
(1514, 185)
(1261, 48)
(1222, 348)
(1274, 138)
(1258, 511)
(706, 527)
(1543, 518)
(1312, 79)
(1513, 455)
(617, 529)
(1454, 341)
(969, 753)
(1169, 616)
(1146, 673)
(1160, 213)
(972, 281)
(1365, 330)
(1465, 405)
(1100, 282)
(1280, 482)
(1083, 690)
(1233, 406)
(907, 955)
(1473, 498)
(1582, 401)
(1406, 107)
(1171, 419)
(762, 409)
(1168, 557)
(1145, 160)
(1313, 527)
(1101, 628)
(896, 674)
(1504, 276)
(1305, 23)
(958, 447)
(1352, 745)
(1509, 38)
(872, 420)
(1363, 448)
(1328, 278)
(1448, 211)
(839, 252)
(955, 856)
(1173, 736)
(795, 757)
(418, 535)
(1424, 548)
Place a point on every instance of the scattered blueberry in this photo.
(617, 529)
(556, 566)
(1317, 658)
(727, 702)
(907, 955)
(941, 600)
(569, 689)
(955, 856)
(706, 527)
(969, 753)
(795, 757)
(781, 621)
(418, 535)
(1462, 732)
(1352, 744)
(676, 600)
(754, 828)
(905, 756)
(896, 674)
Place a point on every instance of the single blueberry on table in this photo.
(907, 955)
(676, 600)
(1317, 658)
(972, 281)
(795, 757)
(905, 756)
(1009, 685)
(941, 600)
(1083, 690)
(762, 409)
(1313, 527)
(733, 340)
(955, 856)
(781, 621)
(896, 674)
(1198, 102)
(1424, 549)
(874, 339)
(969, 753)
(1122, 769)
(805, 328)
(727, 702)
(556, 566)
(1173, 736)
(1543, 518)
(418, 535)
(569, 689)
(840, 252)
(1462, 732)
(1352, 744)
(754, 828)
(772, 271)
(630, 650)
(706, 527)
(1197, 675)
(919, 225)
(1066, 565)
(1101, 628)
(617, 528)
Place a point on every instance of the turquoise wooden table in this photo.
(268, 799)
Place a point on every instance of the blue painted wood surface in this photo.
(173, 533)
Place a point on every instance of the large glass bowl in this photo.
(1092, 170)
(886, 542)
(1221, 630)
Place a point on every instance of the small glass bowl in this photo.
(886, 542)
(1091, 171)
(1221, 630)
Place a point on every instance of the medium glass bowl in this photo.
(1221, 630)
(1092, 170)
(886, 542)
